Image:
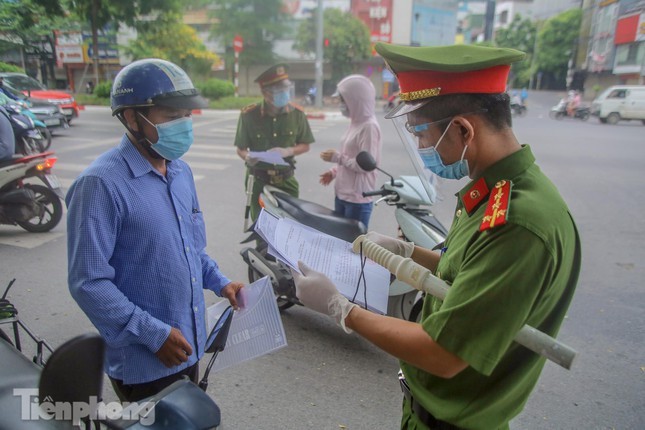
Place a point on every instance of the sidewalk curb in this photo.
(324, 115)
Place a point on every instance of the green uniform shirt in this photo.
(522, 272)
(258, 131)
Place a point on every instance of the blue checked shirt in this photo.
(137, 260)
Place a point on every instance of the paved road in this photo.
(325, 379)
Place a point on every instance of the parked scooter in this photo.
(71, 376)
(34, 207)
(310, 96)
(559, 111)
(415, 220)
(518, 109)
(29, 139)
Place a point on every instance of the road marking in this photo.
(72, 167)
(197, 154)
(16, 236)
(111, 141)
(212, 147)
(208, 166)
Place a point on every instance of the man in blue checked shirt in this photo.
(136, 237)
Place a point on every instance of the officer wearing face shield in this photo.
(275, 124)
(512, 256)
(136, 237)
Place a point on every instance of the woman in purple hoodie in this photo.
(357, 102)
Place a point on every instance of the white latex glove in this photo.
(396, 246)
(251, 161)
(284, 152)
(318, 293)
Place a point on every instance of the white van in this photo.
(620, 102)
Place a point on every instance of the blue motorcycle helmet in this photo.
(154, 82)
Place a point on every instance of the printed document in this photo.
(256, 328)
(271, 157)
(290, 241)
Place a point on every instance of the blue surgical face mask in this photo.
(281, 98)
(175, 137)
(432, 161)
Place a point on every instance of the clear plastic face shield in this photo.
(399, 117)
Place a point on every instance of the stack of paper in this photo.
(290, 241)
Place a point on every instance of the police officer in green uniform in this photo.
(275, 124)
(512, 256)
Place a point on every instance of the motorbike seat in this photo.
(74, 372)
(12, 160)
(320, 218)
(19, 372)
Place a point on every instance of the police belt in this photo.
(272, 176)
(422, 414)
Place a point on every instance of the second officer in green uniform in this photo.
(274, 124)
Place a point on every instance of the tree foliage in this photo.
(167, 37)
(556, 41)
(520, 34)
(348, 40)
(26, 20)
(120, 11)
(259, 22)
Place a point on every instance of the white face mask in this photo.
(344, 109)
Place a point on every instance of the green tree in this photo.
(348, 40)
(259, 22)
(556, 41)
(101, 12)
(520, 34)
(28, 24)
(167, 37)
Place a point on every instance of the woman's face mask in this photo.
(175, 137)
(344, 110)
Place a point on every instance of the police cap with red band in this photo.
(427, 72)
(272, 75)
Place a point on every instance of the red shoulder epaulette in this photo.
(497, 209)
(297, 106)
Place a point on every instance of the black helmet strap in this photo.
(140, 138)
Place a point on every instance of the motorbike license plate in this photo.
(52, 181)
(52, 121)
(67, 111)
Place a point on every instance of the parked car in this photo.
(620, 102)
(34, 90)
(49, 113)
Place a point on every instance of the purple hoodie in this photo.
(363, 134)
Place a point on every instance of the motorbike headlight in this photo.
(24, 121)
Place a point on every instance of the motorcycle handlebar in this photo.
(376, 193)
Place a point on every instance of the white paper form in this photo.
(256, 328)
(271, 157)
(265, 226)
(334, 257)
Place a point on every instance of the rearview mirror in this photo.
(217, 338)
(366, 161)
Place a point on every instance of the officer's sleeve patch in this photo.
(498, 205)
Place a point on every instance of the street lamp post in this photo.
(319, 54)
